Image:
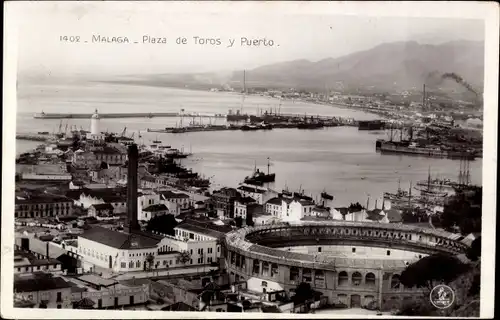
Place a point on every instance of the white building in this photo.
(118, 201)
(291, 209)
(180, 199)
(201, 244)
(173, 204)
(121, 252)
(260, 194)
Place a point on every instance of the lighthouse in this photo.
(94, 124)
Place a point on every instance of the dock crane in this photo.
(123, 132)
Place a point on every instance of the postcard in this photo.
(249, 159)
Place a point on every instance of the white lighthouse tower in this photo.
(94, 124)
(95, 134)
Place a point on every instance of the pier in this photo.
(33, 137)
(43, 115)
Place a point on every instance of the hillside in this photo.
(398, 65)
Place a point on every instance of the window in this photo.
(59, 297)
(356, 278)
(319, 249)
(353, 250)
(123, 265)
(388, 252)
(191, 261)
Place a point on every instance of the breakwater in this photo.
(123, 115)
(33, 137)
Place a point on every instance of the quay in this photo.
(33, 137)
(123, 115)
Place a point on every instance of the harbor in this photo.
(328, 157)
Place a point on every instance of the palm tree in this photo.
(184, 257)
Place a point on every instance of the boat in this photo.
(326, 196)
(312, 125)
(428, 191)
(157, 141)
(412, 148)
(259, 178)
(371, 125)
(43, 132)
(249, 128)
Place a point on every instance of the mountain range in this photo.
(386, 67)
(398, 65)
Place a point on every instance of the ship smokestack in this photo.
(133, 156)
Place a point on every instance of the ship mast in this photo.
(409, 195)
(423, 99)
(429, 180)
(268, 165)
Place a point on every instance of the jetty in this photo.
(44, 115)
(34, 137)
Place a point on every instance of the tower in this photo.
(94, 123)
(133, 157)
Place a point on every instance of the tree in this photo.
(164, 224)
(150, 259)
(238, 221)
(355, 207)
(249, 220)
(184, 257)
(428, 271)
(414, 215)
(464, 211)
(474, 252)
(303, 292)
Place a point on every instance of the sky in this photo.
(298, 35)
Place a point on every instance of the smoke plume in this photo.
(458, 79)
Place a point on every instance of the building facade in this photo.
(38, 206)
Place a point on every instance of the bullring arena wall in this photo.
(253, 255)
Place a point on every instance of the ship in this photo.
(326, 196)
(238, 116)
(371, 125)
(259, 178)
(311, 125)
(413, 148)
(401, 198)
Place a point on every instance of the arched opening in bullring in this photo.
(274, 269)
(368, 300)
(370, 279)
(394, 303)
(395, 282)
(294, 274)
(343, 278)
(256, 266)
(306, 275)
(319, 277)
(356, 278)
(265, 269)
(355, 301)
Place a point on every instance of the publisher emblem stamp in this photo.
(442, 296)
